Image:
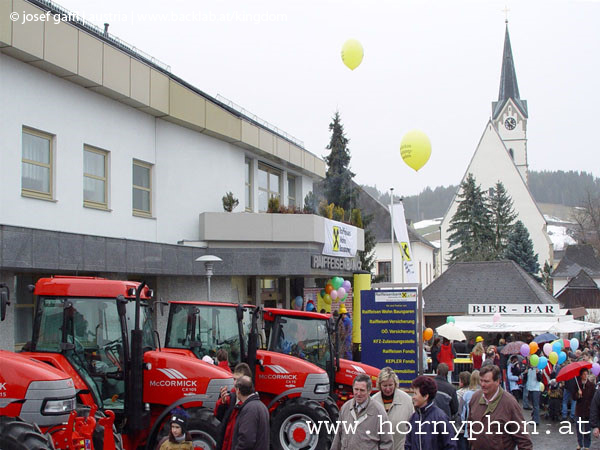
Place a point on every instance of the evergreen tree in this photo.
(547, 281)
(339, 188)
(367, 256)
(520, 249)
(503, 216)
(471, 235)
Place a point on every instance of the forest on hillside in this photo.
(557, 187)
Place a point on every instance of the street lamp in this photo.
(208, 261)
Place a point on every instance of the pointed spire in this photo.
(508, 81)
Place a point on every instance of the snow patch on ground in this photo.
(559, 237)
(427, 223)
(556, 219)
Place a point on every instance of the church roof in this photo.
(489, 282)
(509, 89)
(577, 258)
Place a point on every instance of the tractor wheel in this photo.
(203, 426)
(98, 435)
(332, 409)
(18, 435)
(290, 430)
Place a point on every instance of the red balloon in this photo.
(567, 343)
(328, 288)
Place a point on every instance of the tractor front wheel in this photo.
(18, 435)
(203, 426)
(300, 424)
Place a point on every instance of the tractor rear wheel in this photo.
(18, 435)
(203, 426)
(290, 430)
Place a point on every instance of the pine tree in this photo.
(547, 281)
(520, 249)
(367, 256)
(503, 216)
(471, 235)
(338, 185)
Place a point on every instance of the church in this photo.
(501, 155)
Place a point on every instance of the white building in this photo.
(501, 155)
(113, 166)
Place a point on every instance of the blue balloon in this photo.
(542, 363)
(299, 301)
(310, 307)
(557, 347)
(574, 344)
(562, 357)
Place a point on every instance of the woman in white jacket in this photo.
(398, 405)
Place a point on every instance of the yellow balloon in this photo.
(415, 149)
(352, 53)
(542, 387)
(553, 357)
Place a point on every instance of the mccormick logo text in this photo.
(176, 378)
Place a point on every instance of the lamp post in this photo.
(392, 232)
(208, 261)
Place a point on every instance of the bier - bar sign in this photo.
(514, 309)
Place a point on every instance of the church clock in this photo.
(510, 123)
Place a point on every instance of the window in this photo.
(269, 186)
(248, 185)
(384, 270)
(291, 191)
(36, 165)
(95, 178)
(142, 189)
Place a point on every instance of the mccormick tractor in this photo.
(37, 406)
(100, 332)
(310, 336)
(292, 389)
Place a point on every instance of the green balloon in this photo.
(450, 319)
(337, 282)
(534, 360)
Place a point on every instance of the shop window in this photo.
(384, 270)
(142, 189)
(269, 186)
(37, 165)
(95, 178)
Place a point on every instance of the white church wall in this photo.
(490, 164)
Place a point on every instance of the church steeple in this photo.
(508, 82)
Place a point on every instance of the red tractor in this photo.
(316, 344)
(37, 405)
(100, 332)
(292, 389)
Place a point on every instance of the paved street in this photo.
(553, 435)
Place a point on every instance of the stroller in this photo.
(554, 401)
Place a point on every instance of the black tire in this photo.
(332, 409)
(98, 435)
(18, 435)
(203, 426)
(289, 429)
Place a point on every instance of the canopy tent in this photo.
(534, 324)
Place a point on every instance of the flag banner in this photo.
(401, 232)
(340, 239)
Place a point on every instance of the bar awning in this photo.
(536, 325)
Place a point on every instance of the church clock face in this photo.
(510, 123)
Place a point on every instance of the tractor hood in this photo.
(350, 369)
(170, 376)
(19, 367)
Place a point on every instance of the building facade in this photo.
(115, 167)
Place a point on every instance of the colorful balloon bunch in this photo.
(336, 289)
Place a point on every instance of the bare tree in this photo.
(587, 217)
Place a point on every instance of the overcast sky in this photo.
(432, 65)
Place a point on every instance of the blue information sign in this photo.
(389, 331)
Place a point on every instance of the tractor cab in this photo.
(204, 327)
(92, 333)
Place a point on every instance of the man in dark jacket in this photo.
(446, 398)
(595, 420)
(429, 425)
(251, 431)
(225, 410)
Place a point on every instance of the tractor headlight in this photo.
(62, 406)
(321, 388)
